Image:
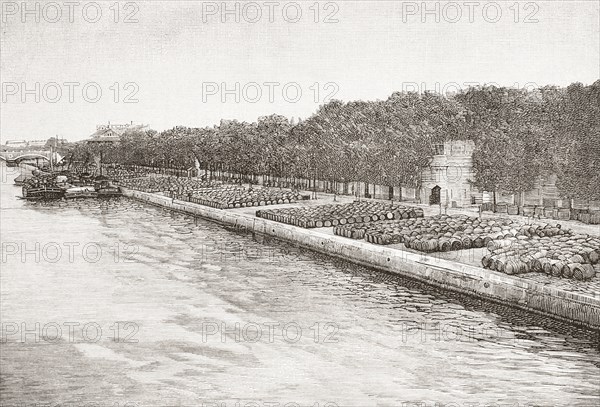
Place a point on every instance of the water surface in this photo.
(331, 332)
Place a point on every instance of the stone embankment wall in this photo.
(574, 308)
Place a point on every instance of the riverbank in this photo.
(553, 300)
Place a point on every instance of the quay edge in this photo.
(573, 308)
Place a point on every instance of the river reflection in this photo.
(136, 304)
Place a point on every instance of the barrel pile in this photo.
(343, 214)
(120, 173)
(567, 256)
(436, 233)
(443, 233)
(174, 185)
(228, 197)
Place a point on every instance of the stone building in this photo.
(111, 133)
(446, 181)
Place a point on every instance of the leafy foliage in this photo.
(518, 134)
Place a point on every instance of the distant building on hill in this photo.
(15, 144)
(37, 143)
(111, 133)
(28, 144)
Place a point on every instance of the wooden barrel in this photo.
(556, 268)
(415, 244)
(456, 244)
(486, 261)
(327, 223)
(430, 245)
(568, 270)
(535, 266)
(583, 272)
(444, 245)
(343, 221)
(466, 242)
(576, 259)
(486, 241)
(546, 265)
(319, 224)
(515, 266)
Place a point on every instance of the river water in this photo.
(122, 304)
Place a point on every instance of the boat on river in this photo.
(106, 188)
(47, 186)
(43, 192)
(86, 191)
(42, 186)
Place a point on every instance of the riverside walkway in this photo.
(574, 302)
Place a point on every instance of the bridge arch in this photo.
(18, 156)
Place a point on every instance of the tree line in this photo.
(518, 135)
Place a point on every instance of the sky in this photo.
(171, 63)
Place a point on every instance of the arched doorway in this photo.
(435, 197)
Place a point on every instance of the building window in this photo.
(459, 149)
(439, 149)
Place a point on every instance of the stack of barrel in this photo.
(439, 233)
(444, 233)
(165, 184)
(241, 197)
(120, 173)
(567, 256)
(343, 214)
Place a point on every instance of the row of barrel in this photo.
(585, 216)
(341, 214)
(475, 240)
(561, 256)
(440, 224)
(166, 184)
(121, 172)
(240, 197)
(443, 232)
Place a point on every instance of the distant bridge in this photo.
(17, 156)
